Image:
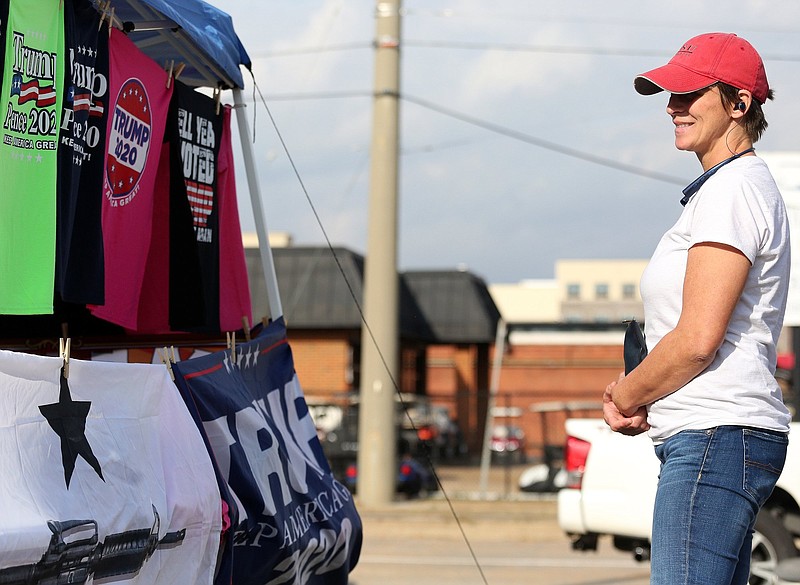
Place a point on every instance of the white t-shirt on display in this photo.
(739, 206)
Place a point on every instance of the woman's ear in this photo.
(743, 104)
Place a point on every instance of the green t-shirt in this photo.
(33, 81)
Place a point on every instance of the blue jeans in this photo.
(711, 486)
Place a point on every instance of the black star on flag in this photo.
(67, 417)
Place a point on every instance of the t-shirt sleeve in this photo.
(728, 212)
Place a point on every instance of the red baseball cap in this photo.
(705, 60)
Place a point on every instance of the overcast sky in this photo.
(505, 104)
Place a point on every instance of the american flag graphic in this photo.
(30, 91)
(83, 101)
(201, 199)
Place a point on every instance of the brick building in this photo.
(448, 327)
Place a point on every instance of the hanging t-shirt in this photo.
(153, 314)
(139, 105)
(79, 249)
(30, 98)
(194, 133)
(234, 288)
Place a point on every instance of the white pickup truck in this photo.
(611, 487)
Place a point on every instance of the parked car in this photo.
(608, 472)
(439, 436)
(337, 429)
(548, 476)
(414, 478)
(508, 443)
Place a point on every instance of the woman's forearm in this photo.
(678, 357)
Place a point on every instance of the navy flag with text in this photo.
(296, 523)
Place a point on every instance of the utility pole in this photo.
(377, 432)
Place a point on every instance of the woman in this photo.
(714, 297)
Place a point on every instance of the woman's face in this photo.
(701, 124)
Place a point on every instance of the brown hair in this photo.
(753, 122)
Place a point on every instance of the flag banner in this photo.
(104, 476)
(234, 288)
(194, 130)
(230, 509)
(30, 97)
(139, 103)
(79, 248)
(295, 522)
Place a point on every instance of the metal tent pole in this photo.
(267, 262)
(494, 385)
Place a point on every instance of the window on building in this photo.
(629, 291)
(573, 292)
(601, 291)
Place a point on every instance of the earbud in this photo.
(741, 106)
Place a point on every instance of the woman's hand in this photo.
(631, 425)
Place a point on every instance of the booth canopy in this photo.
(185, 31)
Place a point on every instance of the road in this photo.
(496, 537)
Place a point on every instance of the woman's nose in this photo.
(674, 104)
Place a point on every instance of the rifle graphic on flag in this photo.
(75, 561)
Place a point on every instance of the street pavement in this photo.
(466, 535)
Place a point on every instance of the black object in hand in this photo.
(634, 347)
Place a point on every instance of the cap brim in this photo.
(672, 78)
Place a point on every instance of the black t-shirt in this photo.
(82, 142)
(194, 130)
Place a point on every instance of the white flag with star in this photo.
(106, 468)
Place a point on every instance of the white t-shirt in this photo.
(739, 206)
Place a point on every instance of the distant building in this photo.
(583, 291)
(447, 328)
(599, 291)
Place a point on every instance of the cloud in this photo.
(505, 207)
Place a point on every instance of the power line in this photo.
(492, 46)
(322, 95)
(526, 48)
(313, 50)
(546, 144)
(562, 50)
(498, 129)
(592, 20)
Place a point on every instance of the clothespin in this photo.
(217, 98)
(246, 327)
(103, 12)
(165, 359)
(169, 72)
(111, 20)
(232, 344)
(179, 69)
(63, 351)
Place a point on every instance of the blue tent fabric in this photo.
(204, 39)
